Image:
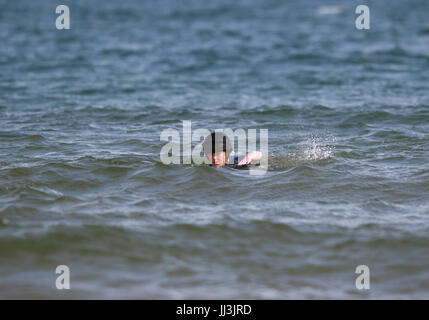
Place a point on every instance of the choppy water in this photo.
(82, 184)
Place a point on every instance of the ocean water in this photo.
(82, 184)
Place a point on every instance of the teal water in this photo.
(82, 184)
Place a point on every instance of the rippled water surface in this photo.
(82, 184)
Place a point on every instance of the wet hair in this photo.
(217, 141)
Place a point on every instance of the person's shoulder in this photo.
(234, 159)
(233, 163)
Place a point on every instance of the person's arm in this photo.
(250, 157)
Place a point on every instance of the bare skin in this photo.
(218, 159)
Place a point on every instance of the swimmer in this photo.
(217, 148)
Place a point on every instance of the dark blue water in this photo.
(82, 183)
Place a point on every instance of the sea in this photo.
(83, 188)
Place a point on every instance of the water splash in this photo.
(313, 149)
(316, 148)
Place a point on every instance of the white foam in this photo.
(325, 10)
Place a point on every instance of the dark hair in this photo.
(217, 141)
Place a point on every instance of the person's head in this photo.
(217, 148)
